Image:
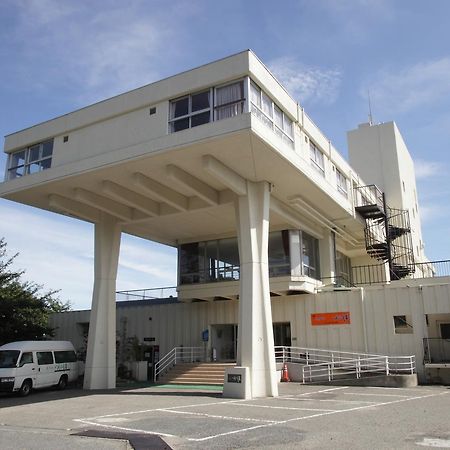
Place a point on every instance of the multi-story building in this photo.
(271, 223)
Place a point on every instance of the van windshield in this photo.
(8, 358)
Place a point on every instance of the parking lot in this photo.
(163, 417)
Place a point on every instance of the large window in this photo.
(190, 111)
(218, 260)
(317, 159)
(279, 260)
(229, 100)
(268, 112)
(196, 109)
(205, 262)
(30, 160)
(310, 256)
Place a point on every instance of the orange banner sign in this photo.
(334, 318)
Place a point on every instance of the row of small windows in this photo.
(195, 109)
(30, 160)
(270, 114)
(317, 159)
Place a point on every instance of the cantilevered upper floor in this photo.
(166, 160)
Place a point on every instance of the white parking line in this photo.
(296, 399)
(213, 416)
(312, 416)
(243, 430)
(322, 390)
(287, 408)
(377, 395)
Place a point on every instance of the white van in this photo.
(26, 365)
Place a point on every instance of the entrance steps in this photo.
(195, 373)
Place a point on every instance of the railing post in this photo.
(329, 372)
(175, 359)
(358, 368)
(387, 365)
(192, 354)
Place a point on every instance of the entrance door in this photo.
(282, 334)
(224, 342)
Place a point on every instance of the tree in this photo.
(24, 308)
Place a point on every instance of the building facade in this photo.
(223, 164)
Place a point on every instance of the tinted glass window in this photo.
(180, 107)
(181, 124)
(200, 119)
(47, 149)
(8, 358)
(44, 358)
(200, 101)
(27, 358)
(65, 356)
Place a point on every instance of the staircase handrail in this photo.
(178, 354)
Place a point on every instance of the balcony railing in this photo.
(147, 294)
(374, 274)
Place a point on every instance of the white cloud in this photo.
(426, 169)
(305, 83)
(96, 49)
(398, 91)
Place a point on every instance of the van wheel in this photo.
(25, 388)
(62, 383)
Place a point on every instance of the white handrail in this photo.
(179, 354)
(318, 363)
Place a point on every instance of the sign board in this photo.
(333, 318)
(149, 339)
(205, 335)
(234, 378)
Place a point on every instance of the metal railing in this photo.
(179, 355)
(376, 273)
(147, 294)
(337, 281)
(320, 365)
(436, 350)
(369, 195)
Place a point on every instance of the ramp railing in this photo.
(325, 365)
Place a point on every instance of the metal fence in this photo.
(147, 294)
(376, 273)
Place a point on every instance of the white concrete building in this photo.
(269, 219)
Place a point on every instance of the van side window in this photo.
(65, 356)
(44, 358)
(27, 358)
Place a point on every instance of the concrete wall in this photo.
(371, 315)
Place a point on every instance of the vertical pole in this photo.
(100, 371)
(388, 239)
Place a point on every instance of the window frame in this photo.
(240, 101)
(11, 170)
(341, 178)
(190, 114)
(269, 118)
(314, 152)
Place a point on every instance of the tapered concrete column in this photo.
(100, 370)
(255, 335)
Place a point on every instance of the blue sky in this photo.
(59, 55)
